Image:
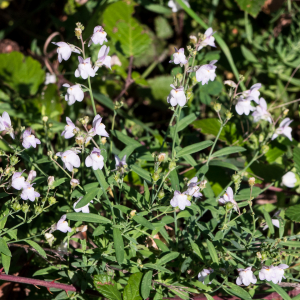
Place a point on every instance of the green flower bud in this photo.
(38, 210)
(179, 76)
(14, 160)
(161, 194)
(16, 206)
(44, 200)
(189, 197)
(265, 149)
(155, 177)
(2, 153)
(25, 208)
(229, 206)
(264, 256)
(228, 115)
(172, 165)
(217, 107)
(261, 137)
(50, 125)
(52, 200)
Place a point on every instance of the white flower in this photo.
(64, 50)
(175, 6)
(74, 93)
(261, 112)
(246, 277)
(62, 225)
(230, 83)
(208, 40)
(70, 159)
(29, 140)
(5, 124)
(179, 57)
(84, 68)
(49, 238)
(95, 159)
(103, 59)
(99, 36)
(279, 272)
(50, 78)
(268, 273)
(253, 92)
(243, 106)
(115, 60)
(120, 163)
(206, 72)
(289, 179)
(284, 129)
(193, 188)
(74, 182)
(99, 128)
(180, 200)
(84, 209)
(275, 222)
(69, 129)
(31, 176)
(28, 192)
(203, 274)
(18, 181)
(177, 96)
(50, 180)
(228, 197)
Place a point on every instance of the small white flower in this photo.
(18, 181)
(175, 6)
(206, 72)
(115, 61)
(74, 182)
(70, 159)
(69, 129)
(253, 92)
(103, 58)
(230, 83)
(261, 112)
(99, 36)
(180, 200)
(95, 159)
(50, 78)
(268, 273)
(289, 179)
(49, 238)
(208, 40)
(179, 57)
(62, 225)
(120, 163)
(84, 209)
(245, 277)
(31, 176)
(50, 180)
(203, 274)
(64, 50)
(84, 68)
(275, 222)
(74, 93)
(284, 129)
(228, 197)
(99, 128)
(193, 188)
(5, 124)
(243, 106)
(28, 192)
(29, 140)
(177, 96)
(279, 272)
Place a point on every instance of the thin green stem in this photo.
(175, 132)
(175, 223)
(92, 97)
(112, 128)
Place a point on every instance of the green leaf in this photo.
(252, 7)
(168, 257)
(293, 213)
(91, 218)
(196, 249)
(183, 214)
(37, 247)
(101, 179)
(106, 286)
(162, 28)
(296, 157)
(279, 290)
(248, 55)
(269, 221)
(119, 245)
(146, 284)
(132, 289)
(146, 192)
(3, 247)
(208, 297)
(290, 244)
(5, 262)
(125, 139)
(184, 122)
(223, 164)
(174, 180)
(212, 252)
(157, 268)
(160, 9)
(48, 270)
(237, 291)
(141, 172)
(23, 74)
(87, 198)
(228, 151)
(99, 230)
(59, 182)
(141, 220)
(194, 148)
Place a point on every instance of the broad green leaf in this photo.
(194, 148)
(58, 182)
(212, 252)
(37, 247)
(99, 230)
(146, 284)
(141, 172)
(167, 257)
(269, 221)
(296, 157)
(184, 122)
(237, 291)
(91, 218)
(293, 213)
(119, 245)
(157, 268)
(106, 286)
(174, 180)
(223, 164)
(228, 151)
(183, 214)
(4, 248)
(132, 289)
(252, 7)
(87, 198)
(196, 249)
(280, 291)
(141, 220)
(248, 55)
(6, 262)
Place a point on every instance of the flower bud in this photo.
(241, 77)
(31, 175)
(194, 80)
(25, 208)
(189, 95)
(189, 197)
(50, 125)
(74, 182)
(49, 238)
(103, 140)
(265, 149)
(236, 177)
(261, 137)
(162, 157)
(50, 153)
(264, 256)
(229, 206)
(161, 194)
(179, 77)
(55, 157)
(79, 140)
(16, 206)
(52, 200)
(203, 184)
(43, 200)
(2, 153)
(230, 83)
(78, 32)
(38, 210)
(155, 177)
(75, 170)
(14, 160)
(251, 181)
(285, 112)
(45, 119)
(50, 181)
(172, 165)
(258, 254)
(132, 213)
(228, 115)
(193, 39)
(217, 107)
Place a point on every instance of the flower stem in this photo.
(175, 132)
(91, 95)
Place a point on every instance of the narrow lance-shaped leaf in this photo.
(146, 284)
(194, 148)
(212, 252)
(87, 198)
(119, 245)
